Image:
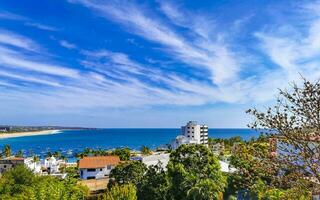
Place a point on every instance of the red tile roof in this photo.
(13, 158)
(98, 162)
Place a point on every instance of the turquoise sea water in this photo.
(73, 141)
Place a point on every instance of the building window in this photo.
(109, 167)
(91, 170)
(91, 177)
(4, 166)
(100, 170)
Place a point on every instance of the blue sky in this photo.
(151, 63)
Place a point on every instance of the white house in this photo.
(156, 158)
(52, 165)
(97, 167)
(34, 166)
(192, 133)
(225, 167)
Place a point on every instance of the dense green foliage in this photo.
(258, 173)
(120, 192)
(292, 127)
(227, 142)
(72, 172)
(21, 183)
(123, 153)
(263, 191)
(194, 173)
(6, 151)
(129, 172)
(252, 162)
(154, 184)
(19, 154)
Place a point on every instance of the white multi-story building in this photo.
(52, 165)
(196, 132)
(33, 165)
(192, 133)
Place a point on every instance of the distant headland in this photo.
(22, 131)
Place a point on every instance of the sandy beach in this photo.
(31, 133)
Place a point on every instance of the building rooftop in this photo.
(155, 158)
(13, 158)
(225, 167)
(98, 161)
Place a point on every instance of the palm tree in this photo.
(6, 150)
(36, 159)
(19, 154)
(145, 150)
(57, 154)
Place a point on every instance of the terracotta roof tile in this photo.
(98, 161)
(13, 158)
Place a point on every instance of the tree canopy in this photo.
(145, 150)
(292, 126)
(120, 192)
(194, 173)
(128, 172)
(21, 183)
(154, 184)
(6, 151)
(123, 153)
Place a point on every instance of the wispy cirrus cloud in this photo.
(41, 26)
(67, 44)
(12, 39)
(212, 55)
(27, 22)
(128, 83)
(14, 50)
(294, 48)
(220, 70)
(18, 62)
(11, 16)
(26, 78)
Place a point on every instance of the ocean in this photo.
(72, 141)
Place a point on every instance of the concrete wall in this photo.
(98, 173)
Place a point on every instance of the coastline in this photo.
(31, 133)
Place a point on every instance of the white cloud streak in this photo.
(12, 39)
(10, 16)
(67, 44)
(292, 49)
(41, 26)
(211, 55)
(115, 80)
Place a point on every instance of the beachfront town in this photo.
(99, 170)
(97, 167)
(94, 170)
